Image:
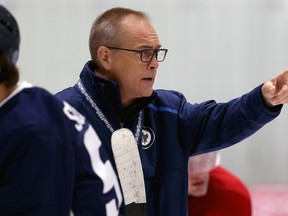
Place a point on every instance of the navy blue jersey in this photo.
(172, 129)
(52, 161)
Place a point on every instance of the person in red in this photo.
(213, 190)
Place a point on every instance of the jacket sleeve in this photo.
(212, 126)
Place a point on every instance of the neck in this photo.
(6, 91)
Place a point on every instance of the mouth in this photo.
(198, 183)
(148, 80)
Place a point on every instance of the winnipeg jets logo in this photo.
(148, 137)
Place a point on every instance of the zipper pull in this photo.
(121, 124)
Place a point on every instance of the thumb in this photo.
(269, 89)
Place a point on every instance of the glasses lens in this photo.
(146, 55)
(161, 55)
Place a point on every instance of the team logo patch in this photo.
(148, 137)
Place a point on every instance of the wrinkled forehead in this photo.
(204, 162)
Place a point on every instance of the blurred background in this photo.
(218, 49)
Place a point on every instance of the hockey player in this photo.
(51, 160)
(215, 191)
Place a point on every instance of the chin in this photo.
(148, 93)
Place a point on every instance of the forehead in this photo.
(140, 32)
(203, 163)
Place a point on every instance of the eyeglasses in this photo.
(146, 55)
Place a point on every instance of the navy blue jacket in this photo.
(45, 167)
(173, 129)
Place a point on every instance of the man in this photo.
(115, 91)
(214, 191)
(51, 160)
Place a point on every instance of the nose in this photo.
(153, 64)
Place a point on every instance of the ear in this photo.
(104, 57)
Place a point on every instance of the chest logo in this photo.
(148, 137)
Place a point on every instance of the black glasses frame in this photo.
(155, 52)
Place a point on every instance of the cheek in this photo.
(129, 75)
(127, 80)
